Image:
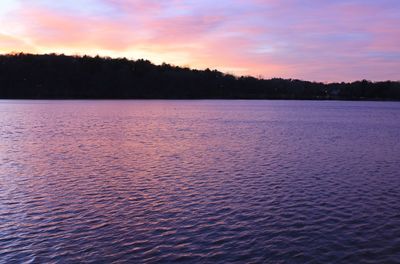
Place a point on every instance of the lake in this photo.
(199, 181)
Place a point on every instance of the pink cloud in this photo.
(317, 40)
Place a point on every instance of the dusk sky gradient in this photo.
(317, 40)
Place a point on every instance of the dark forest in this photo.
(27, 76)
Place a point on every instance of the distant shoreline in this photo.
(61, 77)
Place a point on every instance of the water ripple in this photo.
(199, 181)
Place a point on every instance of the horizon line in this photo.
(14, 53)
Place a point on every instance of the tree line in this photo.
(52, 76)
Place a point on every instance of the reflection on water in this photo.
(191, 181)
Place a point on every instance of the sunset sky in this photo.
(321, 40)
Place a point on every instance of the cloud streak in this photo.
(314, 40)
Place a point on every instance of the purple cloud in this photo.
(314, 40)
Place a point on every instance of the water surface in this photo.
(199, 181)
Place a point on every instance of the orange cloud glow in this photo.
(315, 41)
